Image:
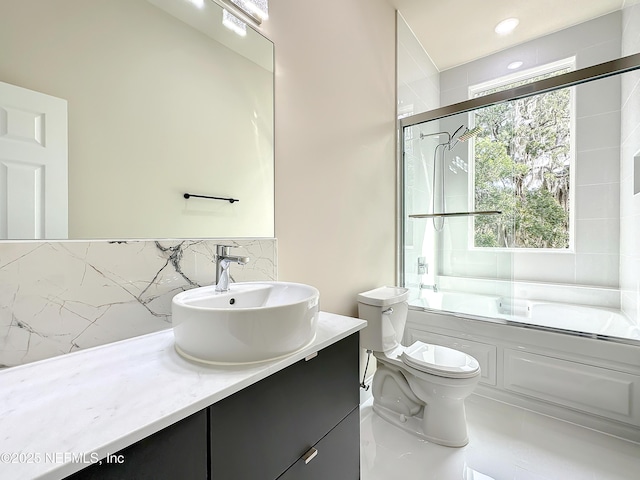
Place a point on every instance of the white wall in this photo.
(335, 145)
(630, 148)
(594, 260)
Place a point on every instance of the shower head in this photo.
(469, 134)
(454, 135)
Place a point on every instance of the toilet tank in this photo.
(385, 310)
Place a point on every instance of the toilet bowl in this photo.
(420, 388)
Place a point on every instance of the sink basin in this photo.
(252, 322)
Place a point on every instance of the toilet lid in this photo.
(439, 360)
(384, 296)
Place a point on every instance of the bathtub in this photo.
(567, 318)
(576, 363)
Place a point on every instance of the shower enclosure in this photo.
(521, 205)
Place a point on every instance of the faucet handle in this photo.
(223, 250)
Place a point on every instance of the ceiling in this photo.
(454, 32)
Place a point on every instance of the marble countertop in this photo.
(91, 403)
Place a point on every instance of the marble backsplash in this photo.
(58, 297)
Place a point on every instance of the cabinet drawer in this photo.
(260, 431)
(337, 454)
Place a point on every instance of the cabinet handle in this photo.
(309, 357)
(310, 455)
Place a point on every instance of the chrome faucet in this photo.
(433, 287)
(223, 260)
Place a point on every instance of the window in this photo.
(522, 165)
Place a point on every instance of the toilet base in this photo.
(414, 425)
(429, 407)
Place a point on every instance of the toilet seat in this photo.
(439, 360)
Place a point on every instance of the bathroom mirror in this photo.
(137, 102)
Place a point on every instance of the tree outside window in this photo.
(522, 168)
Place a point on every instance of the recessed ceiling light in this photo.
(506, 26)
(514, 65)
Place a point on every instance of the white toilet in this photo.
(420, 388)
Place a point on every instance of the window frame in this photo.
(504, 81)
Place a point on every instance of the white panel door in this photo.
(33, 165)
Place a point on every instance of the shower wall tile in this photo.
(495, 66)
(418, 82)
(58, 297)
(597, 269)
(631, 100)
(630, 287)
(465, 263)
(456, 77)
(454, 234)
(630, 30)
(414, 99)
(629, 234)
(454, 95)
(599, 53)
(457, 203)
(630, 302)
(418, 77)
(562, 293)
(545, 267)
(598, 131)
(630, 202)
(594, 98)
(600, 235)
(630, 206)
(416, 62)
(592, 42)
(598, 201)
(598, 166)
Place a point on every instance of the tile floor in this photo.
(506, 443)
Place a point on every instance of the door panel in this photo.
(33, 165)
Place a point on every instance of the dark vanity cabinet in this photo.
(300, 423)
(264, 429)
(178, 451)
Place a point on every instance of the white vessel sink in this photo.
(252, 322)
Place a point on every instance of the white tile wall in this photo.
(597, 167)
(629, 201)
(600, 235)
(418, 77)
(630, 99)
(598, 200)
(597, 269)
(598, 97)
(630, 31)
(418, 91)
(591, 42)
(545, 267)
(598, 131)
(560, 292)
(58, 297)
